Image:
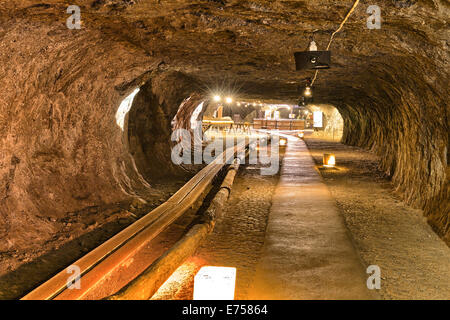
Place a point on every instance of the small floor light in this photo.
(301, 135)
(215, 283)
(329, 160)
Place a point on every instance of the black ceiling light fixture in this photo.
(317, 60)
(312, 58)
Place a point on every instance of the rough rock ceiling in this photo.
(250, 44)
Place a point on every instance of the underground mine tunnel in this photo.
(109, 109)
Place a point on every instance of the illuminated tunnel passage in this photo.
(238, 238)
(383, 230)
(87, 118)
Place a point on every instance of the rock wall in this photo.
(61, 147)
(406, 122)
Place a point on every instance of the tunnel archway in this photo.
(62, 150)
(165, 103)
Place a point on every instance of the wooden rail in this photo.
(281, 124)
(150, 280)
(101, 261)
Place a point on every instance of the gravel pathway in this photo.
(414, 261)
(237, 239)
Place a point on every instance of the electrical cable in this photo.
(355, 4)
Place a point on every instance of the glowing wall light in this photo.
(329, 160)
(215, 283)
(217, 98)
(194, 118)
(229, 100)
(283, 142)
(124, 108)
(301, 135)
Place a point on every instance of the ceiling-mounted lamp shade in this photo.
(312, 60)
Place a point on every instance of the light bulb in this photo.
(308, 92)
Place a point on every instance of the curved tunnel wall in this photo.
(61, 148)
(405, 120)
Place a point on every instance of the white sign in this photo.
(215, 283)
(318, 119)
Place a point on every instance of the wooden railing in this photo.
(281, 124)
(103, 260)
